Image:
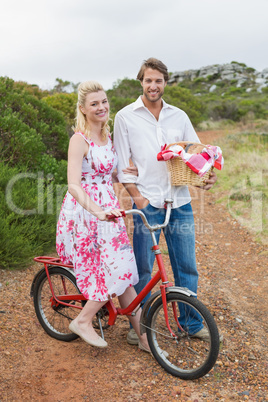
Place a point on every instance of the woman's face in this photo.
(96, 108)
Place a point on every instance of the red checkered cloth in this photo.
(199, 163)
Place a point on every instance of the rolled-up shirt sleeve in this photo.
(122, 147)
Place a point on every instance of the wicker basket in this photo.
(180, 173)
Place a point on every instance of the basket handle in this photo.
(185, 142)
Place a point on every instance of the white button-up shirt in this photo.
(138, 136)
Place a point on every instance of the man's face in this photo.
(153, 85)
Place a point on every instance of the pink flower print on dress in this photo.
(70, 225)
(94, 187)
(126, 276)
(59, 227)
(100, 283)
(120, 241)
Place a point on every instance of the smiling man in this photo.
(140, 130)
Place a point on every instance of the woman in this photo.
(98, 248)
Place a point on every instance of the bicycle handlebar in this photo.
(168, 204)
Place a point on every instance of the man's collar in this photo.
(139, 104)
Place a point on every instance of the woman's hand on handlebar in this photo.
(111, 215)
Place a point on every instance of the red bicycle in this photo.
(166, 315)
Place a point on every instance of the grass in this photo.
(163, 251)
(243, 183)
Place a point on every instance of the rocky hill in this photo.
(237, 74)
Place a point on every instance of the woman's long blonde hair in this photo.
(81, 123)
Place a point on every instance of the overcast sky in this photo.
(78, 40)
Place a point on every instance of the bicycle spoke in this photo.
(55, 318)
(185, 357)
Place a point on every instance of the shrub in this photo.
(183, 99)
(250, 70)
(225, 110)
(240, 64)
(117, 103)
(198, 80)
(33, 141)
(28, 216)
(22, 112)
(32, 89)
(64, 103)
(213, 77)
(220, 84)
(235, 90)
(19, 144)
(126, 88)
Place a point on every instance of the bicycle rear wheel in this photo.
(55, 319)
(186, 357)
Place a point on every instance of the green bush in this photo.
(64, 103)
(22, 112)
(28, 215)
(198, 80)
(33, 171)
(225, 110)
(220, 84)
(212, 77)
(19, 144)
(126, 88)
(239, 64)
(183, 99)
(117, 103)
(32, 89)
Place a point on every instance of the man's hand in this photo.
(131, 170)
(210, 182)
(141, 202)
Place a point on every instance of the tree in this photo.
(64, 86)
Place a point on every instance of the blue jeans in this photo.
(180, 238)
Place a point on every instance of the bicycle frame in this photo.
(47, 261)
(130, 310)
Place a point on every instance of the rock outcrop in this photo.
(239, 73)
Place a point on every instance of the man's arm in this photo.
(122, 147)
(134, 193)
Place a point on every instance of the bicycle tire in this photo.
(55, 320)
(187, 357)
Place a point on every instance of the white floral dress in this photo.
(100, 251)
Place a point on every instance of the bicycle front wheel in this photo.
(186, 357)
(55, 318)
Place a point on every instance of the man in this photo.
(140, 130)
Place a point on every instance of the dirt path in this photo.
(233, 284)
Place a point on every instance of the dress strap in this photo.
(82, 135)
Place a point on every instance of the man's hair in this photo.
(154, 64)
